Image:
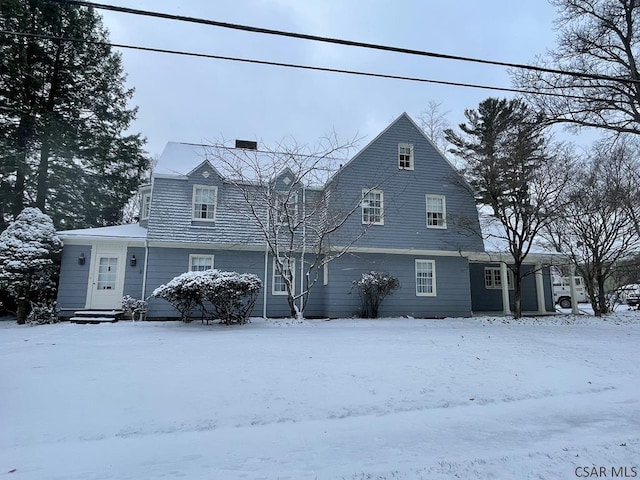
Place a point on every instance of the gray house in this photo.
(410, 213)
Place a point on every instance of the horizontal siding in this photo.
(490, 299)
(74, 278)
(133, 276)
(167, 263)
(405, 191)
(452, 286)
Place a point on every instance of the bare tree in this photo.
(286, 195)
(512, 170)
(434, 122)
(596, 38)
(596, 231)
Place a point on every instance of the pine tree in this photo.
(29, 248)
(64, 116)
(509, 164)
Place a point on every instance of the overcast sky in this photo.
(202, 100)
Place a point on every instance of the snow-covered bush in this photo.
(43, 313)
(373, 287)
(29, 253)
(232, 295)
(133, 306)
(184, 293)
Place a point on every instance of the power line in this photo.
(339, 41)
(289, 65)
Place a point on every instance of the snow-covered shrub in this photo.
(184, 293)
(231, 294)
(43, 313)
(133, 306)
(29, 253)
(373, 287)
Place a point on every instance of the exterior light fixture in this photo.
(133, 261)
(81, 259)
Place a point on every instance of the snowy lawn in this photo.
(343, 399)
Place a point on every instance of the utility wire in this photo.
(339, 41)
(289, 65)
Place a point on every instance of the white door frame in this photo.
(94, 301)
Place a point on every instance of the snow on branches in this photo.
(29, 248)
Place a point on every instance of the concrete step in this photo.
(96, 316)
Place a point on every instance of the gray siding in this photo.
(490, 300)
(72, 290)
(133, 275)
(170, 218)
(167, 263)
(452, 286)
(405, 191)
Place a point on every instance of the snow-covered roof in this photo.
(180, 158)
(129, 231)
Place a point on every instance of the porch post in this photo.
(540, 289)
(572, 292)
(504, 281)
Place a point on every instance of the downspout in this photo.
(266, 270)
(144, 268)
(304, 244)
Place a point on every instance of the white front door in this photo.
(106, 282)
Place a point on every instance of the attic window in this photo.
(405, 156)
(206, 174)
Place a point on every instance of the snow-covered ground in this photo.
(546, 398)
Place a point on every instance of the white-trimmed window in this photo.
(426, 278)
(436, 211)
(278, 284)
(286, 207)
(372, 207)
(204, 203)
(405, 156)
(200, 263)
(145, 205)
(493, 278)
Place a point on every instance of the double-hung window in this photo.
(278, 284)
(200, 263)
(204, 203)
(436, 211)
(372, 207)
(493, 278)
(286, 207)
(425, 278)
(146, 205)
(405, 156)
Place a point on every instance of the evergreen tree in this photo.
(29, 248)
(507, 162)
(64, 116)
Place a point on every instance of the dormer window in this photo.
(286, 207)
(204, 203)
(405, 156)
(145, 205)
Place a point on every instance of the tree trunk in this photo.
(22, 310)
(43, 176)
(517, 292)
(602, 301)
